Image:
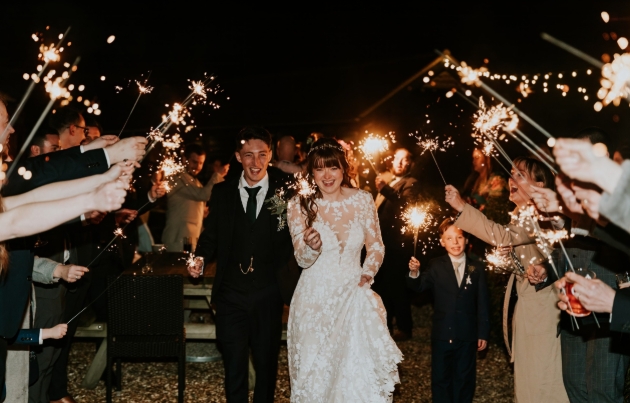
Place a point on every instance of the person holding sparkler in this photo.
(252, 253)
(461, 325)
(187, 201)
(396, 189)
(591, 350)
(535, 348)
(336, 322)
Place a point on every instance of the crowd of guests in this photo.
(82, 187)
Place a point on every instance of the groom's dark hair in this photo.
(253, 133)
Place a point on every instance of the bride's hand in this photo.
(312, 238)
(364, 279)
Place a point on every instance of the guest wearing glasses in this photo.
(70, 125)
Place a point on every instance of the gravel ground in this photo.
(157, 382)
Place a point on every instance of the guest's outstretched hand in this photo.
(594, 294)
(546, 200)
(101, 142)
(109, 197)
(453, 198)
(158, 189)
(130, 149)
(125, 216)
(69, 272)
(583, 161)
(312, 239)
(56, 332)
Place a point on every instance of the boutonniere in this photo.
(278, 207)
(468, 280)
(471, 269)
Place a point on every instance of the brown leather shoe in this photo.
(65, 399)
(401, 336)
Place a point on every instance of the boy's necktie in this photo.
(250, 211)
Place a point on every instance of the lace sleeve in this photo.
(373, 240)
(304, 255)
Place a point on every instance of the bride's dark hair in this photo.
(324, 153)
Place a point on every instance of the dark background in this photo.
(310, 67)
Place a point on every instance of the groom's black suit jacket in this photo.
(216, 239)
(461, 312)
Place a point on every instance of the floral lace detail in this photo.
(339, 346)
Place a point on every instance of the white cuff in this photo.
(151, 199)
(109, 164)
(412, 276)
(41, 339)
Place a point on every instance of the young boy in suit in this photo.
(460, 319)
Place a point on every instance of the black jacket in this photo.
(405, 191)
(459, 312)
(55, 167)
(64, 165)
(215, 241)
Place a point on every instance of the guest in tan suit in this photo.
(186, 202)
(535, 347)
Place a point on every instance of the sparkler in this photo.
(469, 75)
(434, 144)
(372, 146)
(142, 89)
(490, 122)
(303, 186)
(55, 89)
(416, 218)
(47, 57)
(170, 167)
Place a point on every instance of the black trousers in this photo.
(453, 370)
(249, 321)
(391, 286)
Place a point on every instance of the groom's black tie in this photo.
(250, 211)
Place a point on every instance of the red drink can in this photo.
(576, 308)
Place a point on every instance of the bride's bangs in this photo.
(326, 159)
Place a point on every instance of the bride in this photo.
(339, 346)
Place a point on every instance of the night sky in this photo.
(305, 67)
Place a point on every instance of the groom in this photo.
(253, 254)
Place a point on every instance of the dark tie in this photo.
(250, 211)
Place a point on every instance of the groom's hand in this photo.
(481, 345)
(312, 238)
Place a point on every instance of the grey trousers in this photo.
(591, 371)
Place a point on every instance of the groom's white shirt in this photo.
(260, 196)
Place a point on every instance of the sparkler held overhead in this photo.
(433, 144)
(143, 88)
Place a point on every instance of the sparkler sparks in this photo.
(553, 236)
(198, 89)
(172, 143)
(433, 144)
(416, 218)
(49, 53)
(56, 90)
(615, 80)
(469, 75)
(303, 186)
(497, 260)
(118, 232)
(144, 89)
(170, 167)
(490, 122)
(373, 145)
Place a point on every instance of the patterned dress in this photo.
(340, 349)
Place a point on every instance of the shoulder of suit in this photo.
(439, 260)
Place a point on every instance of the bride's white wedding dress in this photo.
(340, 349)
